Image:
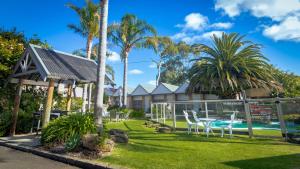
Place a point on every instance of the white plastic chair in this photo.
(191, 124)
(229, 126)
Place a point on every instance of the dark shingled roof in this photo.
(53, 64)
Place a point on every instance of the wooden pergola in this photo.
(49, 68)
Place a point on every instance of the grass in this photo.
(148, 149)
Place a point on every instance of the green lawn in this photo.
(148, 149)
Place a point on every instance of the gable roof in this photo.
(53, 64)
(143, 89)
(164, 88)
(119, 91)
(171, 87)
(182, 88)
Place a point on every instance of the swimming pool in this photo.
(243, 125)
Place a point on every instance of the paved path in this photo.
(14, 159)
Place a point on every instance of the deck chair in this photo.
(191, 124)
(228, 126)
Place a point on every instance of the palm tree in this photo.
(88, 28)
(230, 66)
(98, 107)
(129, 34)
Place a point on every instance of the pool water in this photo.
(243, 125)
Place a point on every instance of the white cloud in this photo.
(231, 8)
(135, 72)
(284, 14)
(222, 25)
(197, 29)
(191, 38)
(113, 56)
(288, 29)
(152, 82)
(152, 65)
(194, 21)
(210, 34)
(274, 9)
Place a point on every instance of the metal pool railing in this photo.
(269, 116)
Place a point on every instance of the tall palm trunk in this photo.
(98, 107)
(125, 80)
(87, 93)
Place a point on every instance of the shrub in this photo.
(73, 142)
(64, 127)
(5, 123)
(137, 114)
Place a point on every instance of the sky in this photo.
(275, 24)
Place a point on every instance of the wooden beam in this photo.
(25, 73)
(48, 105)
(16, 108)
(69, 98)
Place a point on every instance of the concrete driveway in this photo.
(14, 159)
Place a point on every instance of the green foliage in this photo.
(30, 102)
(229, 66)
(64, 127)
(137, 113)
(89, 19)
(290, 83)
(5, 122)
(174, 70)
(73, 142)
(13, 44)
(76, 104)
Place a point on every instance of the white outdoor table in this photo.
(207, 121)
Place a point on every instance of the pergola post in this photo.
(16, 107)
(69, 97)
(48, 105)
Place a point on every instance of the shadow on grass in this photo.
(291, 161)
(147, 148)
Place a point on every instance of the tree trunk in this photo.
(16, 108)
(98, 107)
(124, 104)
(158, 73)
(86, 92)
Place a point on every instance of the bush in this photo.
(5, 123)
(73, 142)
(64, 127)
(137, 114)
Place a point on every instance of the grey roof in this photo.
(63, 66)
(182, 88)
(119, 91)
(172, 88)
(148, 87)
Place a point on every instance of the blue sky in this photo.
(273, 23)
